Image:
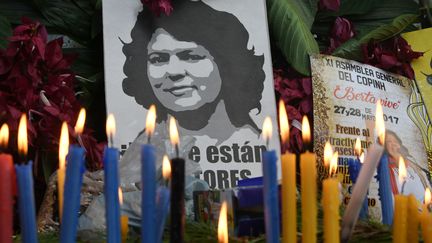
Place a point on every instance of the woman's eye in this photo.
(158, 58)
(190, 57)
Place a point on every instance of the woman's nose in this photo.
(175, 69)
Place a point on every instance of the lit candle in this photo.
(148, 180)
(111, 184)
(354, 169)
(289, 191)
(72, 188)
(426, 218)
(365, 176)
(223, 224)
(163, 199)
(24, 173)
(124, 219)
(413, 219)
(308, 175)
(330, 202)
(61, 173)
(364, 211)
(177, 188)
(400, 223)
(6, 187)
(270, 187)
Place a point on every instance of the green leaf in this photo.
(292, 31)
(352, 48)
(14, 10)
(348, 7)
(70, 17)
(5, 32)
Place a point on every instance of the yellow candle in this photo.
(124, 221)
(400, 219)
(308, 189)
(413, 219)
(63, 150)
(331, 203)
(426, 219)
(289, 190)
(289, 205)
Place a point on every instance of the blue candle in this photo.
(271, 207)
(112, 204)
(148, 196)
(384, 190)
(162, 202)
(26, 202)
(72, 193)
(354, 167)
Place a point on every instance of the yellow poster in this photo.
(420, 41)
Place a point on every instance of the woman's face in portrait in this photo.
(183, 75)
(393, 146)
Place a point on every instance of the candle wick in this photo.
(149, 138)
(177, 150)
(80, 142)
(111, 141)
(267, 143)
(403, 187)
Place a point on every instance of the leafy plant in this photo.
(290, 21)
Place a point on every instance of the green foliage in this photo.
(352, 48)
(290, 22)
(5, 31)
(347, 8)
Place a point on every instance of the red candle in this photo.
(6, 186)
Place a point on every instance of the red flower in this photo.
(159, 6)
(332, 5)
(36, 79)
(393, 55)
(296, 92)
(342, 31)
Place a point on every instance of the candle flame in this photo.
(4, 135)
(267, 128)
(357, 147)
(22, 136)
(362, 156)
(120, 196)
(283, 122)
(379, 123)
(79, 127)
(328, 154)
(151, 120)
(63, 145)
(402, 170)
(223, 224)
(110, 126)
(334, 163)
(174, 135)
(166, 168)
(306, 134)
(427, 198)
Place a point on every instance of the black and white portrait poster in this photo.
(208, 65)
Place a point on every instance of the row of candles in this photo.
(405, 229)
(156, 200)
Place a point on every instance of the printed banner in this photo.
(208, 65)
(345, 97)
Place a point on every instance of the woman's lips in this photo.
(180, 90)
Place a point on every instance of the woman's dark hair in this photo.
(225, 38)
(390, 132)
